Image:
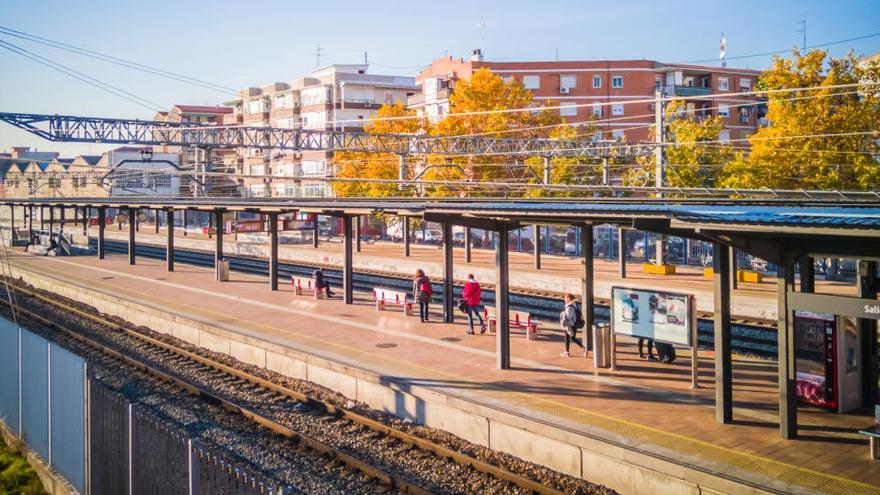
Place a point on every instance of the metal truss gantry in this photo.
(66, 128)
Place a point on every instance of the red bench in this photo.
(302, 284)
(384, 297)
(519, 319)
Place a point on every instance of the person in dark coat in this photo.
(568, 319)
(320, 282)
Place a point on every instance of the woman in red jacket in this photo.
(471, 296)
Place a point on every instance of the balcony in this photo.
(687, 91)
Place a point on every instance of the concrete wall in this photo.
(624, 469)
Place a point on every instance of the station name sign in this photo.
(838, 305)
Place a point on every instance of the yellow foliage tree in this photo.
(841, 124)
(689, 163)
(388, 120)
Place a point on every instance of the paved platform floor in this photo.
(647, 405)
(558, 273)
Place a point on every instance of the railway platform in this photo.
(638, 429)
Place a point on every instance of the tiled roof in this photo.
(203, 109)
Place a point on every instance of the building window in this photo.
(507, 79)
(597, 111)
(617, 133)
(597, 81)
(745, 84)
(617, 81)
(723, 84)
(723, 110)
(532, 82)
(568, 110)
(568, 82)
(724, 136)
(389, 98)
(744, 115)
(617, 109)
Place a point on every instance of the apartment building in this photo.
(335, 97)
(194, 158)
(621, 85)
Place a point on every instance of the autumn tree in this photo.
(389, 119)
(694, 157)
(486, 106)
(822, 138)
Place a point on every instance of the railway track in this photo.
(297, 415)
(750, 337)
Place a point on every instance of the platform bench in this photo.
(873, 435)
(519, 319)
(384, 296)
(303, 284)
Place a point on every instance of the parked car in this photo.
(429, 236)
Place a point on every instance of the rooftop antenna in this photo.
(318, 56)
(722, 53)
(482, 25)
(803, 30)
(365, 58)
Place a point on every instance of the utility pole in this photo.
(546, 170)
(659, 167)
(803, 31)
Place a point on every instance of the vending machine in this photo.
(827, 360)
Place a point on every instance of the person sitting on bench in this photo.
(321, 283)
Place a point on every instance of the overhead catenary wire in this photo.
(114, 90)
(115, 60)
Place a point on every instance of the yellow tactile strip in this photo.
(787, 473)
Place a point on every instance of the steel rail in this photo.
(325, 406)
(314, 444)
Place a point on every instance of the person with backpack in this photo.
(471, 297)
(320, 283)
(571, 320)
(422, 293)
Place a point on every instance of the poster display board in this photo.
(658, 315)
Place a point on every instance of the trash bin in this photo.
(602, 345)
(223, 270)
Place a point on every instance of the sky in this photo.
(238, 44)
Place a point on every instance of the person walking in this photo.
(570, 318)
(422, 293)
(321, 283)
(471, 295)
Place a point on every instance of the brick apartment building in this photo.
(334, 97)
(573, 83)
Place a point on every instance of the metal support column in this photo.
(61, 220)
(785, 345)
(102, 224)
(502, 299)
(87, 217)
(468, 244)
(734, 283)
(547, 175)
(536, 234)
(868, 286)
(185, 211)
(723, 356)
(404, 234)
(347, 261)
(357, 229)
(807, 271)
(169, 243)
(156, 212)
(316, 232)
(621, 253)
(30, 209)
(587, 303)
(448, 281)
(273, 251)
(218, 241)
(132, 213)
(51, 221)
